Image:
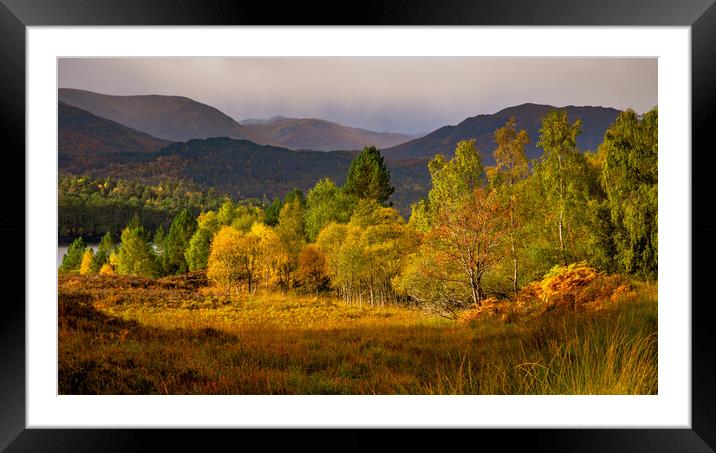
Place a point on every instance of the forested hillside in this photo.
(244, 169)
(85, 140)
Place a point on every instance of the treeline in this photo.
(90, 207)
(481, 231)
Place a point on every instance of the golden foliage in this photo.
(490, 307)
(564, 279)
(86, 265)
(576, 286)
(226, 259)
(106, 269)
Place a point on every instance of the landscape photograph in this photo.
(357, 226)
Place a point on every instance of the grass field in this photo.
(129, 335)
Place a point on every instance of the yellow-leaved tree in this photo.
(86, 265)
(234, 258)
(271, 255)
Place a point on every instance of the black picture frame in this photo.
(16, 15)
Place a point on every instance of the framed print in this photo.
(415, 216)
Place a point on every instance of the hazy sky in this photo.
(401, 94)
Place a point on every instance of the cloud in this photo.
(406, 94)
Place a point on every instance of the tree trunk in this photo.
(474, 286)
(480, 292)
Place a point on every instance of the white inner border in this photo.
(670, 408)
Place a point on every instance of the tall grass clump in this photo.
(606, 353)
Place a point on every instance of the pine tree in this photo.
(101, 257)
(73, 258)
(136, 256)
(369, 177)
(176, 243)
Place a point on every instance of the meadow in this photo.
(179, 335)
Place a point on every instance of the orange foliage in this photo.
(312, 271)
(576, 287)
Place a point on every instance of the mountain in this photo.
(173, 118)
(595, 121)
(83, 138)
(250, 121)
(320, 135)
(244, 169)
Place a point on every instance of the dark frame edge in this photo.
(12, 321)
(703, 117)
(702, 436)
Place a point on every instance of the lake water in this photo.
(62, 249)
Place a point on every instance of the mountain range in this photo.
(178, 119)
(151, 138)
(172, 118)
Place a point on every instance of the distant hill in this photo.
(173, 118)
(250, 121)
(245, 169)
(595, 121)
(320, 135)
(84, 138)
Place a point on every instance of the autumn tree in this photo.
(233, 259)
(86, 265)
(558, 139)
(73, 258)
(368, 177)
(225, 262)
(630, 178)
(510, 168)
(330, 240)
(271, 256)
(463, 246)
(365, 255)
(312, 272)
(241, 217)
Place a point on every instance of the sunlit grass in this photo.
(148, 338)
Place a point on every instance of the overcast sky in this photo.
(401, 94)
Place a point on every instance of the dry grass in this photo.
(122, 335)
